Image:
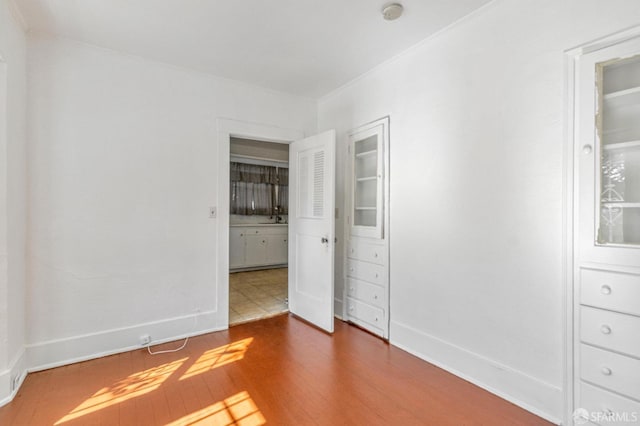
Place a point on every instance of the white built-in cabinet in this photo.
(367, 249)
(605, 284)
(258, 246)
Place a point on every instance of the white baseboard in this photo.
(55, 353)
(540, 398)
(12, 378)
(338, 308)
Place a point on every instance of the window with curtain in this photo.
(257, 189)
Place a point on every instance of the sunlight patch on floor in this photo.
(238, 409)
(130, 387)
(218, 357)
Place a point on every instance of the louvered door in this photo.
(311, 228)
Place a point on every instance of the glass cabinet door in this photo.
(618, 123)
(367, 205)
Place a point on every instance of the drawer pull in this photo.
(606, 371)
(375, 254)
(605, 329)
(376, 319)
(375, 296)
(376, 275)
(605, 289)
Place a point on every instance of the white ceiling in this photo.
(303, 47)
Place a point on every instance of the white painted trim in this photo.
(17, 368)
(55, 353)
(338, 309)
(228, 128)
(523, 390)
(568, 239)
(431, 38)
(45, 35)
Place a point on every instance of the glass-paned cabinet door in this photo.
(607, 153)
(367, 172)
(618, 123)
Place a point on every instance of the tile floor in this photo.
(257, 294)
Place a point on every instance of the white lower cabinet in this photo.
(367, 285)
(236, 248)
(256, 246)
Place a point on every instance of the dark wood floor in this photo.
(278, 371)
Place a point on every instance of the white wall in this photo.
(13, 211)
(122, 171)
(477, 188)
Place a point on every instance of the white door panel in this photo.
(311, 228)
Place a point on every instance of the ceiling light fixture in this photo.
(392, 11)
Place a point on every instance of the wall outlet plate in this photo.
(145, 339)
(15, 381)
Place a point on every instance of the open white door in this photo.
(312, 228)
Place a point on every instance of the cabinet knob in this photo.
(353, 250)
(587, 149)
(263, 241)
(606, 371)
(242, 235)
(605, 289)
(375, 254)
(376, 275)
(376, 319)
(605, 329)
(375, 296)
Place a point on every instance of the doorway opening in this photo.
(258, 229)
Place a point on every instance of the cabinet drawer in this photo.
(369, 293)
(361, 250)
(268, 230)
(610, 290)
(610, 370)
(367, 313)
(607, 408)
(365, 271)
(610, 330)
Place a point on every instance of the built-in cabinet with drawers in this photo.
(605, 350)
(367, 249)
(254, 246)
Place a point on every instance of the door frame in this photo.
(228, 128)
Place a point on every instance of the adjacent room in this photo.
(294, 212)
(258, 230)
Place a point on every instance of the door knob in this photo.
(325, 240)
